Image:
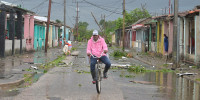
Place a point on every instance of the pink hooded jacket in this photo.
(96, 48)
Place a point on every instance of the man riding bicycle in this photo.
(97, 47)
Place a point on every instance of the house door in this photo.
(40, 37)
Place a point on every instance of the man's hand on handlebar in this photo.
(105, 51)
(88, 54)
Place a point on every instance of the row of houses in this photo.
(148, 35)
(23, 30)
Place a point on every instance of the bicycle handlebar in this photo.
(96, 56)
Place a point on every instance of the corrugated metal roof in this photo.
(152, 21)
(40, 18)
(16, 7)
(7, 3)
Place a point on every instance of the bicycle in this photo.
(98, 73)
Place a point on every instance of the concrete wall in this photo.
(139, 35)
(113, 39)
(53, 35)
(56, 36)
(133, 44)
(181, 38)
(170, 37)
(139, 39)
(161, 42)
(50, 36)
(32, 31)
(186, 36)
(197, 39)
(29, 31)
(8, 45)
(153, 46)
(158, 36)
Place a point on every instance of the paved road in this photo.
(65, 83)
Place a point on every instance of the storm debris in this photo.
(185, 74)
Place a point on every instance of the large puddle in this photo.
(168, 84)
(13, 62)
(13, 65)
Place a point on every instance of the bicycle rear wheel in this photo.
(98, 81)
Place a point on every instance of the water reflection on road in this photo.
(39, 57)
(170, 87)
(177, 88)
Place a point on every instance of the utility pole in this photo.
(169, 6)
(104, 25)
(97, 22)
(65, 18)
(48, 21)
(175, 49)
(123, 24)
(77, 22)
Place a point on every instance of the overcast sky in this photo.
(112, 9)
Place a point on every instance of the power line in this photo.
(53, 2)
(39, 4)
(130, 2)
(112, 13)
(70, 19)
(102, 7)
(22, 3)
(39, 9)
(67, 4)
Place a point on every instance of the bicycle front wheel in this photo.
(98, 81)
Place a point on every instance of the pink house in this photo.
(29, 31)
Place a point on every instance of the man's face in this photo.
(95, 37)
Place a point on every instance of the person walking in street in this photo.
(69, 47)
(65, 48)
(166, 43)
(97, 47)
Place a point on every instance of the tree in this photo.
(58, 21)
(110, 27)
(132, 17)
(138, 14)
(82, 29)
(119, 23)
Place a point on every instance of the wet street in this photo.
(73, 82)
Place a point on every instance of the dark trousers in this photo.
(104, 59)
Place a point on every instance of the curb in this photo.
(15, 83)
(20, 80)
(12, 84)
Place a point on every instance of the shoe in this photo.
(94, 82)
(105, 76)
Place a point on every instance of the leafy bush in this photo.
(137, 69)
(118, 53)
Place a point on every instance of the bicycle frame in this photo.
(98, 74)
